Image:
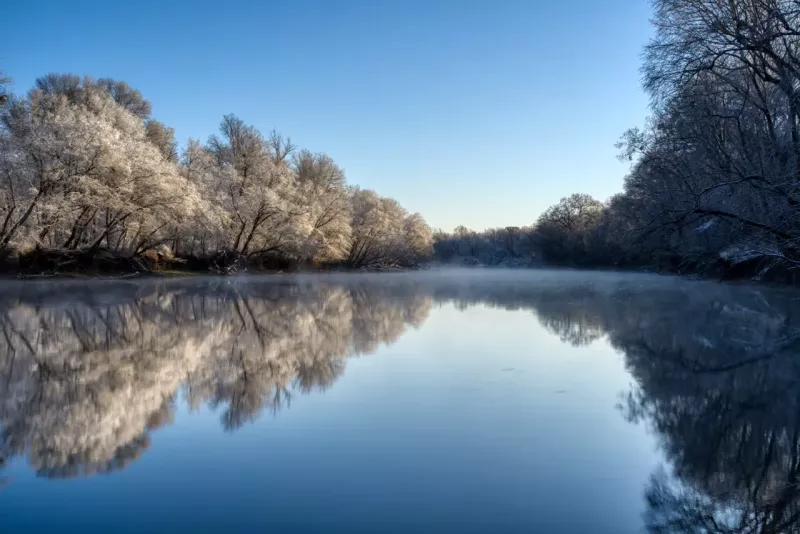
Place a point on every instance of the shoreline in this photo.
(91, 276)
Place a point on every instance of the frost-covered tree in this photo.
(715, 173)
(383, 232)
(80, 171)
(212, 225)
(267, 198)
(417, 238)
(257, 191)
(323, 193)
(84, 167)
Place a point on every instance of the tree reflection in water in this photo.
(716, 371)
(86, 376)
(722, 394)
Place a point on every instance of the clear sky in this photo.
(474, 112)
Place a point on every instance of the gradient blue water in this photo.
(480, 418)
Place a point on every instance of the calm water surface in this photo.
(479, 401)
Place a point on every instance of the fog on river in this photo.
(706, 393)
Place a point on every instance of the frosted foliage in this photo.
(417, 236)
(382, 232)
(714, 176)
(323, 190)
(213, 222)
(82, 171)
(300, 208)
(255, 190)
(84, 166)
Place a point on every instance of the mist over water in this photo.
(473, 400)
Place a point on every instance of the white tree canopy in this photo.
(84, 166)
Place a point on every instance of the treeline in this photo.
(87, 172)
(714, 185)
(716, 176)
(715, 179)
(576, 232)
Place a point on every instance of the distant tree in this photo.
(163, 138)
(417, 238)
(575, 213)
(4, 81)
(68, 85)
(563, 231)
(127, 97)
(511, 246)
(384, 233)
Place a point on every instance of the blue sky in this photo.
(480, 113)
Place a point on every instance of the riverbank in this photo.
(42, 263)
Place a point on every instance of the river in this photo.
(437, 401)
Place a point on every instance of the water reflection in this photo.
(716, 372)
(86, 376)
(723, 397)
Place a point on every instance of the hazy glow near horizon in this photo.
(470, 112)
